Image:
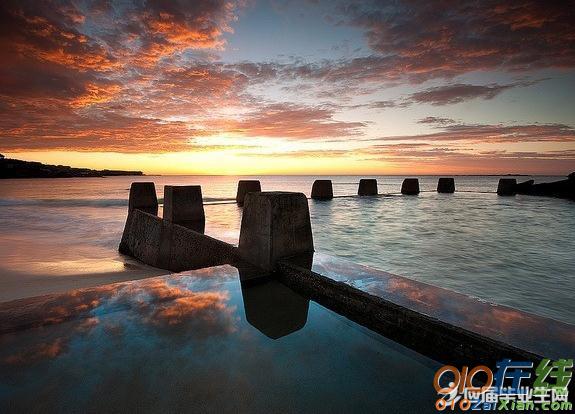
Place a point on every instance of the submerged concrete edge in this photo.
(427, 335)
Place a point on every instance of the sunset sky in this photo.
(296, 87)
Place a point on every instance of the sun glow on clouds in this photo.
(150, 82)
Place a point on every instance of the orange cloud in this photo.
(287, 121)
(159, 303)
(199, 306)
(36, 353)
(96, 94)
(28, 35)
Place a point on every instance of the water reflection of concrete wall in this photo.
(274, 309)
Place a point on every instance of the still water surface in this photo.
(201, 342)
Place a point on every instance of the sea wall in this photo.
(276, 238)
(169, 246)
(444, 325)
(559, 189)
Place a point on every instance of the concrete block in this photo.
(143, 197)
(184, 205)
(507, 187)
(410, 186)
(274, 225)
(446, 185)
(367, 187)
(245, 187)
(322, 190)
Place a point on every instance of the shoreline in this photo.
(17, 169)
(15, 285)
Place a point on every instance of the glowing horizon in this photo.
(290, 87)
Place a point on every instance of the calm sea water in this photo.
(516, 251)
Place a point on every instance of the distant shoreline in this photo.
(355, 175)
(13, 168)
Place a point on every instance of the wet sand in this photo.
(15, 285)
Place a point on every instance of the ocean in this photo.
(58, 234)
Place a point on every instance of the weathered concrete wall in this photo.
(507, 186)
(143, 197)
(184, 205)
(367, 187)
(141, 237)
(166, 245)
(560, 189)
(322, 190)
(446, 185)
(274, 225)
(410, 186)
(524, 187)
(245, 187)
(432, 337)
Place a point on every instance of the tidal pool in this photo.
(200, 341)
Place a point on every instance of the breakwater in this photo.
(276, 229)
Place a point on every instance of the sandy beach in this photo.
(16, 285)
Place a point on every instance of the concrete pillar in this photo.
(367, 187)
(274, 225)
(322, 190)
(410, 186)
(143, 197)
(245, 187)
(184, 205)
(446, 185)
(507, 187)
